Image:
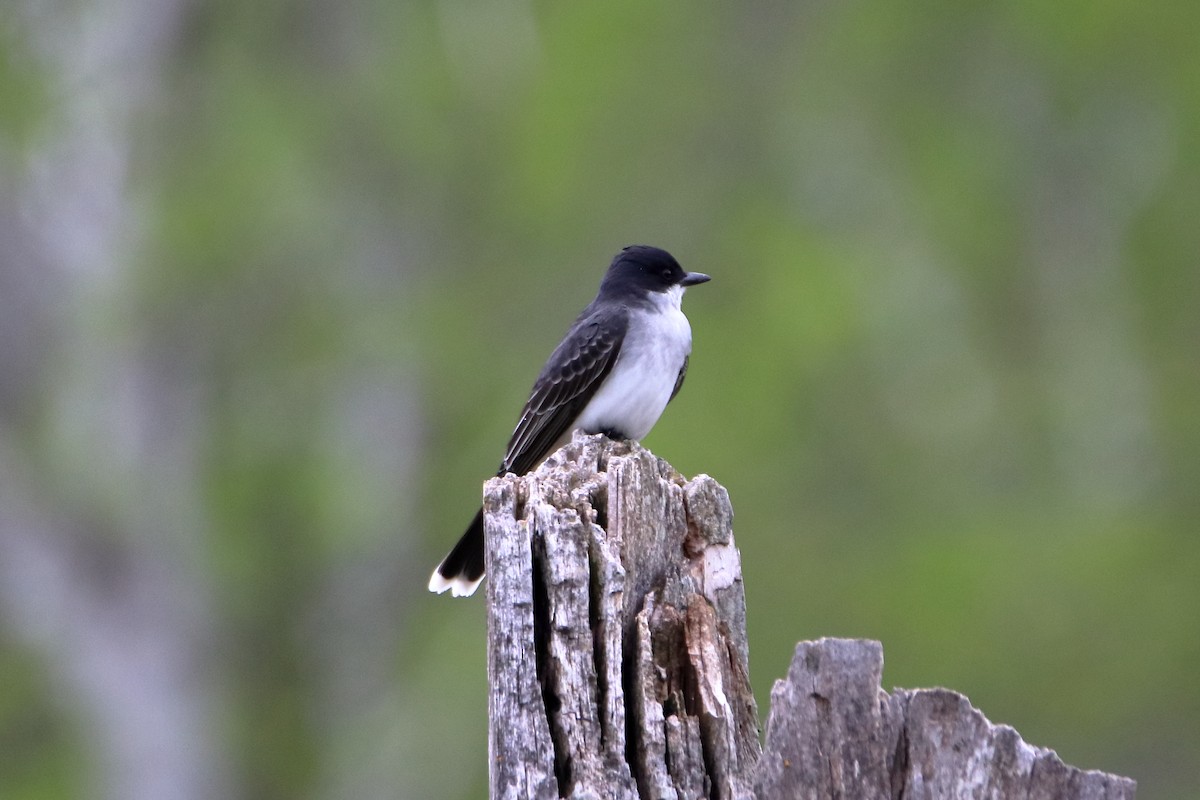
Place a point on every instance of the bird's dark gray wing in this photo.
(679, 379)
(570, 378)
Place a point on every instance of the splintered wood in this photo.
(617, 656)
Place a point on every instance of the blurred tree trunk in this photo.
(95, 575)
(618, 663)
(120, 348)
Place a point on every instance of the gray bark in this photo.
(618, 664)
(617, 642)
(833, 732)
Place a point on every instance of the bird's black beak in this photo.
(692, 278)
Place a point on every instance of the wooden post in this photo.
(618, 663)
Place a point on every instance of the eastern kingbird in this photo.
(614, 372)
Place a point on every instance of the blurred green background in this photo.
(275, 278)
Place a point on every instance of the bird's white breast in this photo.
(634, 394)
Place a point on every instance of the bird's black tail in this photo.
(462, 569)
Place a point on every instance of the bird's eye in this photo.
(666, 273)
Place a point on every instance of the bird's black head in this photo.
(641, 268)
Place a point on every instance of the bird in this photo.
(620, 363)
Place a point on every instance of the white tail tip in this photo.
(459, 587)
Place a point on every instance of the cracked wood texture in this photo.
(834, 733)
(617, 651)
(618, 664)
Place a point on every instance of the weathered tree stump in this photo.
(833, 732)
(618, 663)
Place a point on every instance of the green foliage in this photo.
(43, 757)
